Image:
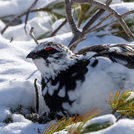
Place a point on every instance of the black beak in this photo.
(32, 55)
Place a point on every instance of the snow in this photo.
(123, 126)
(101, 119)
(15, 7)
(4, 112)
(17, 73)
(21, 128)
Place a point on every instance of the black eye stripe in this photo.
(46, 53)
(43, 54)
(52, 51)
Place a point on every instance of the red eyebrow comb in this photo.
(48, 48)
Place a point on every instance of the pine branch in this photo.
(121, 116)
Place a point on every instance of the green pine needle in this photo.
(122, 104)
(67, 123)
(96, 127)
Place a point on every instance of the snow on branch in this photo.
(79, 34)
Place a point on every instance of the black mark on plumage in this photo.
(94, 64)
(97, 48)
(126, 54)
(126, 57)
(105, 54)
(124, 47)
(68, 80)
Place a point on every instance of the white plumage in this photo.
(74, 83)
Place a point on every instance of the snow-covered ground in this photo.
(17, 73)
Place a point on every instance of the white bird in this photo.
(76, 82)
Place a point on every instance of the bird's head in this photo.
(51, 57)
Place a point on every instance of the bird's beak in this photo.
(32, 55)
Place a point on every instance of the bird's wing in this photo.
(117, 61)
(120, 53)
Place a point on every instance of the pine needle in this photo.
(63, 123)
(122, 104)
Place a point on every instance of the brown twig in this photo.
(91, 29)
(106, 17)
(11, 22)
(75, 30)
(37, 96)
(107, 8)
(11, 39)
(127, 13)
(19, 16)
(42, 9)
(79, 35)
(74, 44)
(32, 36)
(85, 29)
(27, 14)
(56, 30)
(73, 26)
(122, 115)
(95, 17)
(113, 112)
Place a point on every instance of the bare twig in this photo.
(74, 28)
(122, 115)
(106, 17)
(42, 9)
(127, 13)
(32, 36)
(73, 44)
(56, 30)
(95, 17)
(107, 8)
(91, 29)
(37, 96)
(101, 35)
(28, 11)
(12, 21)
(19, 16)
(113, 112)
(85, 29)
(11, 39)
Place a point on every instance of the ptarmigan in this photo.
(76, 82)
